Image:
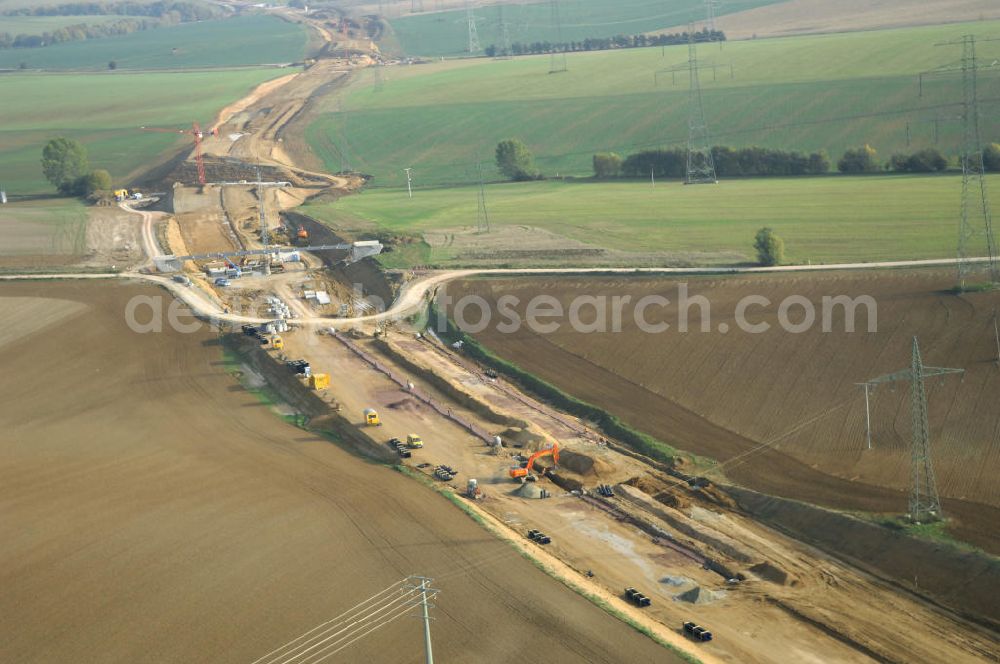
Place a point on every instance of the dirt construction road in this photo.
(152, 510)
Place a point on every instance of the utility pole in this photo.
(409, 182)
(482, 216)
(505, 51)
(925, 504)
(868, 415)
(976, 226)
(557, 60)
(428, 651)
(473, 45)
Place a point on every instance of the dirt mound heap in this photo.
(530, 490)
(770, 572)
(660, 492)
(699, 595)
(583, 464)
(407, 403)
(676, 580)
(520, 438)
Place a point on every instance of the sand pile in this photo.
(676, 581)
(699, 595)
(583, 464)
(770, 572)
(529, 490)
(408, 404)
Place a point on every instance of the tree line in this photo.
(928, 160)
(606, 43)
(766, 162)
(158, 13)
(186, 10)
(731, 162)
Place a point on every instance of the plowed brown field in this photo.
(152, 510)
(782, 411)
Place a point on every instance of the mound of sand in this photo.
(583, 464)
(407, 403)
(529, 490)
(770, 572)
(677, 581)
(699, 595)
(522, 437)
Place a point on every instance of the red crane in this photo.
(198, 134)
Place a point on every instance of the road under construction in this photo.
(613, 519)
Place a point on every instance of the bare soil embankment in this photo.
(782, 411)
(154, 510)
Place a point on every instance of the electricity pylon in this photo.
(710, 11)
(925, 504)
(505, 50)
(473, 45)
(700, 163)
(557, 60)
(976, 224)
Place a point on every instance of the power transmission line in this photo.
(925, 503)
(359, 621)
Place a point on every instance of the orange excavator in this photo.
(518, 473)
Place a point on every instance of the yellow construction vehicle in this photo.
(414, 441)
(277, 343)
(371, 418)
(519, 473)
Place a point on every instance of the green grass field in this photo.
(446, 33)
(56, 226)
(826, 92)
(104, 112)
(822, 220)
(231, 42)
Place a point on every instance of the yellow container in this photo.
(319, 381)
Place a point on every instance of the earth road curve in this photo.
(413, 296)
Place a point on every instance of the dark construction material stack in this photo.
(637, 597)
